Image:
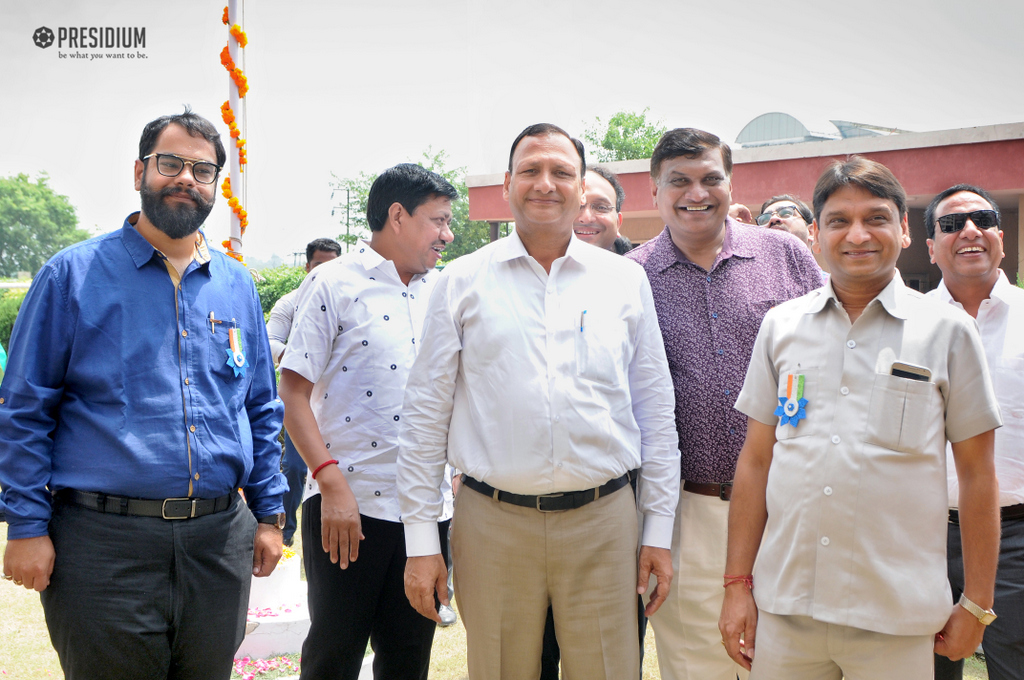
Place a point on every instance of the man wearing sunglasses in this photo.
(965, 241)
(140, 397)
(787, 213)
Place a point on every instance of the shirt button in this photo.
(559, 466)
(350, 468)
(186, 381)
(721, 352)
(727, 392)
(836, 439)
(197, 475)
(828, 490)
(376, 493)
(709, 279)
(824, 540)
(732, 430)
(714, 315)
(184, 334)
(1, 400)
(844, 390)
(191, 428)
(851, 343)
(558, 418)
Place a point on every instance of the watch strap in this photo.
(986, 616)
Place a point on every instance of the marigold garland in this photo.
(229, 119)
(243, 216)
(236, 73)
(225, 17)
(240, 35)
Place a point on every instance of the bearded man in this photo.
(140, 397)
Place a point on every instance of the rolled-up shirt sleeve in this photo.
(426, 416)
(653, 399)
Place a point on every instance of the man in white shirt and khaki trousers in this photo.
(542, 376)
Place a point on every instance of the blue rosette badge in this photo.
(792, 408)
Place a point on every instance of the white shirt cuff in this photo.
(421, 539)
(657, 531)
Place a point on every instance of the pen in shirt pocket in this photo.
(583, 315)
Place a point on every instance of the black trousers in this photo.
(142, 598)
(364, 602)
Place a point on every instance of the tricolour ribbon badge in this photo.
(236, 353)
(792, 407)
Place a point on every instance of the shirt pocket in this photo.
(600, 349)
(788, 404)
(898, 418)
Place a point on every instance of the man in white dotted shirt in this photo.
(343, 380)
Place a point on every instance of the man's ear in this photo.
(812, 229)
(140, 168)
(396, 214)
(505, 185)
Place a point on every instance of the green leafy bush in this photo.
(277, 282)
(10, 303)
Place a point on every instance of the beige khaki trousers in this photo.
(510, 562)
(800, 648)
(686, 626)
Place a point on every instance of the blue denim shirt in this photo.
(118, 383)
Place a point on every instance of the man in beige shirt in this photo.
(840, 494)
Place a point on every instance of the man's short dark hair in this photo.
(544, 129)
(865, 173)
(407, 184)
(622, 245)
(194, 124)
(805, 212)
(322, 245)
(613, 179)
(691, 143)
(929, 212)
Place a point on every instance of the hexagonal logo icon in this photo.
(43, 37)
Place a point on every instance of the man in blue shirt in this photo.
(138, 400)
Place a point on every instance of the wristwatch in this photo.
(277, 520)
(986, 616)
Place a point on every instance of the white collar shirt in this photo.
(355, 337)
(1001, 323)
(856, 494)
(539, 383)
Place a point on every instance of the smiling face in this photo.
(971, 256)
(544, 189)
(177, 206)
(860, 236)
(693, 196)
(794, 224)
(422, 235)
(598, 222)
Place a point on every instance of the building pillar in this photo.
(1020, 241)
(494, 230)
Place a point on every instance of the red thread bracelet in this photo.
(747, 580)
(323, 465)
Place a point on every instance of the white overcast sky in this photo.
(345, 86)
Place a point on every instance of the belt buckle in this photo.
(550, 495)
(721, 490)
(188, 515)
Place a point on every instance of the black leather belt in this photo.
(552, 502)
(168, 508)
(1006, 512)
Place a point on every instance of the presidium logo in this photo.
(75, 38)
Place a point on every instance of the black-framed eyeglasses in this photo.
(983, 219)
(785, 212)
(170, 165)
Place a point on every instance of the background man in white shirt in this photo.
(342, 380)
(543, 378)
(965, 241)
(279, 325)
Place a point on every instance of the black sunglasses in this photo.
(983, 219)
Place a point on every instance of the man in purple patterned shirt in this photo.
(713, 280)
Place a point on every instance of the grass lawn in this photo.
(26, 654)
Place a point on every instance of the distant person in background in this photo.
(787, 213)
(600, 217)
(965, 241)
(278, 327)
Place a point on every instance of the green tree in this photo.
(10, 303)
(35, 222)
(469, 235)
(627, 136)
(271, 284)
